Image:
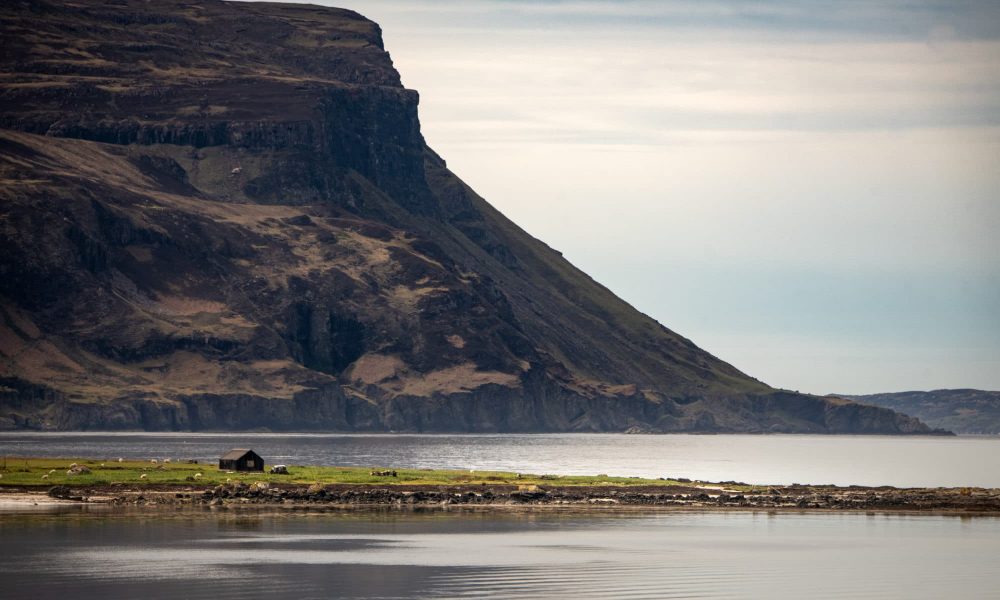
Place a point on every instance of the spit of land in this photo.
(166, 483)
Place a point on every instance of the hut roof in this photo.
(235, 453)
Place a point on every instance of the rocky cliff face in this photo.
(224, 216)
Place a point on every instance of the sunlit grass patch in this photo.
(56, 471)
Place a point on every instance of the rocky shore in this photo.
(796, 497)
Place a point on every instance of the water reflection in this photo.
(498, 555)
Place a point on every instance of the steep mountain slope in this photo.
(961, 411)
(223, 215)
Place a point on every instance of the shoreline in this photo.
(799, 499)
(164, 484)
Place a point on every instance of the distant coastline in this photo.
(964, 411)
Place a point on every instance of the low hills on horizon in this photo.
(223, 216)
(963, 411)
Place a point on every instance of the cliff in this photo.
(224, 216)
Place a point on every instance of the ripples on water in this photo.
(499, 555)
(764, 459)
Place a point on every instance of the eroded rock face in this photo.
(224, 216)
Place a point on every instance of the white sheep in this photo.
(143, 476)
(121, 460)
(197, 475)
(52, 471)
(72, 465)
(46, 476)
(166, 461)
(153, 460)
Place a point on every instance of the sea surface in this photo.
(761, 459)
(446, 554)
(103, 553)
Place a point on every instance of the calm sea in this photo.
(764, 459)
(443, 554)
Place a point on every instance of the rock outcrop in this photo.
(224, 216)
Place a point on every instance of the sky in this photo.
(808, 190)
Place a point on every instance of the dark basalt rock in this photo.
(60, 491)
(223, 215)
(801, 498)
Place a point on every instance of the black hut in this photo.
(241, 459)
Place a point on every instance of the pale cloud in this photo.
(818, 19)
(889, 199)
(858, 368)
(648, 90)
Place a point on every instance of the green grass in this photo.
(30, 472)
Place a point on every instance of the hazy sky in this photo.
(809, 190)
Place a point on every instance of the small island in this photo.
(164, 483)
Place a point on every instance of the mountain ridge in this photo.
(224, 216)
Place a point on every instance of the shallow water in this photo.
(764, 459)
(441, 554)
